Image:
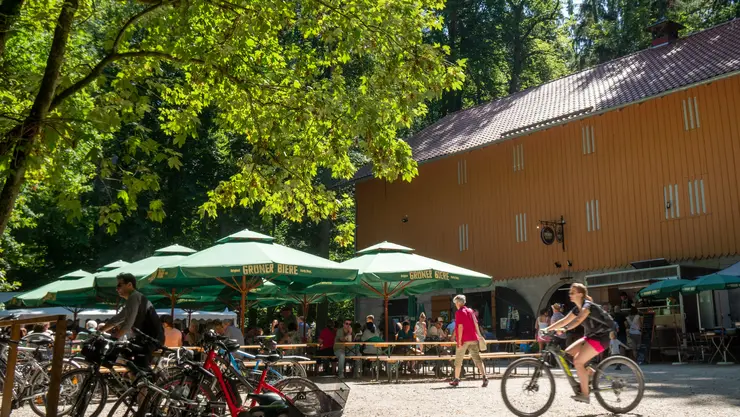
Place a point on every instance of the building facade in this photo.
(633, 160)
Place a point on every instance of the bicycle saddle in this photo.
(266, 398)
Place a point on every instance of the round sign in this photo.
(547, 235)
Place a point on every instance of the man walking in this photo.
(466, 336)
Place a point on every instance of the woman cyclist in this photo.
(596, 326)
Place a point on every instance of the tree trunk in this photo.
(452, 99)
(22, 139)
(517, 50)
(9, 12)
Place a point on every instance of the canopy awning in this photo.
(633, 277)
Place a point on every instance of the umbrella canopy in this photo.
(244, 261)
(105, 282)
(73, 281)
(113, 265)
(715, 281)
(388, 270)
(663, 288)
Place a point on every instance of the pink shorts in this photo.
(595, 343)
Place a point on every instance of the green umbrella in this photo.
(113, 265)
(106, 281)
(388, 270)
(710, 282)
(73, 281)
(244, 261)
(663, 288)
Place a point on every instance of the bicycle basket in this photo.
(95, 349)
(328, 400)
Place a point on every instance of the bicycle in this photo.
(90, 386)
(148, 398)
(294, 391)
(292, 369)
(614, 370)
(33, 370)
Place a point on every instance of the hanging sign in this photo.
(547, 234)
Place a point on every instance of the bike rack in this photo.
(52, 397)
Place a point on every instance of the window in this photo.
(593, 222)
(697, 201)
(463, 237)
(520, 221)
(518, 157)
(671, 202)
(690, 113)
(462, 172)
(587, 140)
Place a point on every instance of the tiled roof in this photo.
(647, 73)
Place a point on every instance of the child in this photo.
(614, 345)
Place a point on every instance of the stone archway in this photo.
(556, 294)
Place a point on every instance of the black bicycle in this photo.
(528, 385)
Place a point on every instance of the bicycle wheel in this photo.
(128, 404)
(532, 378)
(82, 393)
(618, 384)
(303, 393)
(202, 391)
(40, 385)
(294, 369)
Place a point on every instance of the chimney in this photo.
(664, 32)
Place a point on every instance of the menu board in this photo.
(648, 326)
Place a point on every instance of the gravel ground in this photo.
(690, 390)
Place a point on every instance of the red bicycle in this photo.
(288, 394)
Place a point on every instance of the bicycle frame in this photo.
(554, 351)
(255, 369)
(211, 366)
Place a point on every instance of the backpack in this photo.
(148, 321)
(604, 317)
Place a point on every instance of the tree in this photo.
(300, 83)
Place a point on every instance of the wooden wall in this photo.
(636, 154)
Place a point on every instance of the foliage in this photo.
(300, 84)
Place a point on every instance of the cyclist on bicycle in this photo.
(139, 313)
(596, 325)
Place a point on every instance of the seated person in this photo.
(437, 332)
(291, 337)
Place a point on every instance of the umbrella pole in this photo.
(305, 315)
(243, 305)
(172, 305)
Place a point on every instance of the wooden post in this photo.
(15, 335)
(52, 398)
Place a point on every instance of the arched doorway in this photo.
(556, 294)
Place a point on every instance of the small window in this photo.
(518, 157)
(690, 113)
(697, 200)
(520, 221)
(671, 202)
(462, 172)
(463, 237)
(593, 219)
(587, 140)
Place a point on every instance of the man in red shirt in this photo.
(466, 336)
